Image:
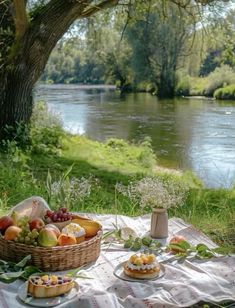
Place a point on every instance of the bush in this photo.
(183, 87)
(225, 93)
(145, 86)
(220, 77)
(46, 130)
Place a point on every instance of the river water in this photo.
(191, 134)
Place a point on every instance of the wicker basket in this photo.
(57, 258)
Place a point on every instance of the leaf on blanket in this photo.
(11, 276)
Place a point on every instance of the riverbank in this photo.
(98, 167)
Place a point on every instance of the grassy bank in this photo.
(220, 83)
(99, 166)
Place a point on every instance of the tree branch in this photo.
(20, 18)
(101, 6)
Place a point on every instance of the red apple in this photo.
(5, 222)
(37, 224)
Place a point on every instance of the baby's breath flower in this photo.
(154, 193)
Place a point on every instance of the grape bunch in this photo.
(26, 236)
(58, 216)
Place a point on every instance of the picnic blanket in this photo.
(183, 284)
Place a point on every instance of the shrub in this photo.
(220, 77)
(183, 87)
(225, 93)
(116, 143)
(198, 85)
(145, 86)
(46, 130)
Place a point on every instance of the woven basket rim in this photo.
(55, 248)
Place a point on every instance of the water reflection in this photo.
(186, 133)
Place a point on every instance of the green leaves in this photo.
(200, 251)
(10, 276)
(23, 262)
(138, 243)
(75, 273)
(10, 271)
(204, 252)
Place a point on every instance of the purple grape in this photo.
(54, 217)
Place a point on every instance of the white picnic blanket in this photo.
(183, 285)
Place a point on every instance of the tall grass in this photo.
(102, 166)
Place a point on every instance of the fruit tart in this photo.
(49, 285)
(142, 266)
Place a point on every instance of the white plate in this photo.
(118, 272)
(45, 302)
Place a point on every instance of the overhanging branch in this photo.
(101, 6)
(20, 18)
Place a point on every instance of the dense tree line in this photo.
(152, 51)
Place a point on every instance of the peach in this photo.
(12, 232)
(53, 228)
(176, 239)
(5, 222)
(67, 239)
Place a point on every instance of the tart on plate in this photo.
(142, 266)
(49, 285)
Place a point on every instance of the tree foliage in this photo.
(30, 29)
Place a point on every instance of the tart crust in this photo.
(142, 274)
(40, 291)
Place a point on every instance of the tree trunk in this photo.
(16, 102)
(166, 85)
(26, 48)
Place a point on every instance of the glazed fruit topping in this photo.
(50, 280)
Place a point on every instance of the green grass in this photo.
(211, 211)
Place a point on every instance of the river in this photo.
(190, 134)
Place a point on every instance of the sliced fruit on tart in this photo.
(142, 266)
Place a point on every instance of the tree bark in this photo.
(27, 53)
(17, 102)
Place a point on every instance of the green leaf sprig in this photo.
(201, 251)
(138, 243)
(10, 271)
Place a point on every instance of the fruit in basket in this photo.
(5, 222)
(47, 238)
(91, 227)
(75, 230)
(60, 215)
(37, 224)
(53, 228)
(15, 218)
(27, 237)
(12, 233)
(23, 222)
(67, 239)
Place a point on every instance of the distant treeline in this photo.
(160, 51)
